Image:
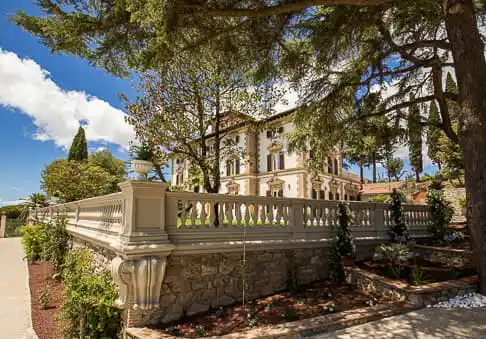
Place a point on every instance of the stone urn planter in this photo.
(142, 168)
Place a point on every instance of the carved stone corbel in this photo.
(140, 278)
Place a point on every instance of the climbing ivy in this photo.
(398, 231)
(343, 243)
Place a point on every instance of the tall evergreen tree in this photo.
(415, 140)
(433, 134)
(451, 87)
(79, 148)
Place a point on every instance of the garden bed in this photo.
(44, 321)
(308, 301)
(419, 271)
(397, 290)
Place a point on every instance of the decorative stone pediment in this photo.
(233, 187)
(275, 147)
(333, 185)
(317, 184)
(275, 184)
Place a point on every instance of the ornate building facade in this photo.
(268, 168)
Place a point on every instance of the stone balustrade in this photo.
(159, 241)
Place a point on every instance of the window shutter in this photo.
(237, 139)
(269, 162)
(237, 166)
(228, 169)
(336, 169)
(280, 193)
(322, 194)
(337, 196)
(281, 161)
(331, 197)
(269, 134)
(280, 130)
(314, 194)
(269, 194)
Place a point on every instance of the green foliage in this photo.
(13, 212)
(90, 299)
(33, 237)
(398, 232)
(289, 315)
(383, 198)
(394, 167)
(142, 152)
(415, 139)
(44, 297)
(391, 254)
(56, 242)
(442, 213)
(79, 147)
(343, 245)
(433, 134)
(417, 276)
(74, 180)
(108, 162)
(462, 201)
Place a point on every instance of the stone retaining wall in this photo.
(101, 256)
(453, 194)
(419, 296)
(446, 256)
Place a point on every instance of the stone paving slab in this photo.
(427, 323)
(15, 316)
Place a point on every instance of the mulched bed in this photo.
(308, 301)
(45, 323)
(432, 271)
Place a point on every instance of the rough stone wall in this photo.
(453, 194)
(196, 283)
(101, 256)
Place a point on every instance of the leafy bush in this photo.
(398, 232)
(89, 309)
(392, 254)
(343, 243)
(441, 211)
(462, 201)
(380, 198)
(33, 238)
(13, 212)
(56, 242)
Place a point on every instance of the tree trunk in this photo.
(470, 65)
(361, 172)
(373, 160)
(417, 176)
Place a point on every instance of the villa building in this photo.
(268, 168)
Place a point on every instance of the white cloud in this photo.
(56, 113)
(289, 100)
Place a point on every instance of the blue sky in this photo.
(42, 98)
(24, 157)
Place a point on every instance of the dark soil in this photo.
(46, 325)
(430, 271)
(308, 301)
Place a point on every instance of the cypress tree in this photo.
(79, 148)
(451, 87)
(433, 134)
(415, 140)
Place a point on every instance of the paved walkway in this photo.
(15, 319)
(428, 323)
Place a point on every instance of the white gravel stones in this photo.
(470, 300)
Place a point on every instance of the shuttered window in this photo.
(281, 161)
(269, 162)
(336, 168)
(329, 165)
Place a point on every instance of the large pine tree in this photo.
(433, 134)
(415, 140)
(79, 148)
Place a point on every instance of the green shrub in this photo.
(343, 244)
(380, 198)
(441, 211)
(398, 232)
(33, 238)
(13, 212)
(56, 242)
(392, 254)
(89, 310)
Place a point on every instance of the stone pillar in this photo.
(139, 268)
(3, 224)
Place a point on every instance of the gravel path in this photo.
(15, 320)
(471, 300)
